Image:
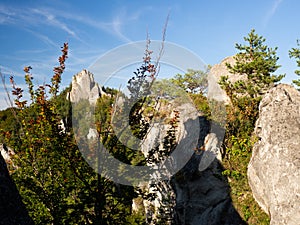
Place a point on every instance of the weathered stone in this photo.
(202, 192)
(274, 169)
(12, 209)
(6, 153)
(204, 199)
(187, 138)
(85, 87)
(215, 74)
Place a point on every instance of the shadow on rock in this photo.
(203, 195)
(12, 209)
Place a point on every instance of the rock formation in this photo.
(202, 193)
(85, 87)
(274, 169)
(187, 138)
(12, 209)
(6, 153)
(83, 96)
(215, 73)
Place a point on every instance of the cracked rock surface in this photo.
(274, 169)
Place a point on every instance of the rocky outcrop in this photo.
(215, 74)
(84, 95)
(84, 87)
(274, 169)
(203, 199)
(187, 133)
(12, 209)
(202, 192)
(6, 153)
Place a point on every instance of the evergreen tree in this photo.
(194, 81)
(258, 62)
(295, 53)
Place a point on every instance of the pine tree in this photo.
(258, 62)
(295, 53)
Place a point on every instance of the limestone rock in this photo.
(187, 138)
(6, 153)
(204, 199)
(12, 209)
(274, 169)
(202, 193)
(85, 87)
(215, 74)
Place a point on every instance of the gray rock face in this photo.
(85, 87)
(202, 193)
(186, 137)
(215, 73)
(12, 209)
(6, 153)
(274, 169)
(203, 199)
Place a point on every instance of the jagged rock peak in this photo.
(274, 168)
(85, 87)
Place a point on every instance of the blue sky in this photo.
(32, 32)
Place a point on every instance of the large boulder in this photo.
(12, 209)
(215, 74)
(274, 169)
(203, 198)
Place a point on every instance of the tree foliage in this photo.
(255, 64)
(56, 183)
(193, 81)
(295, 53)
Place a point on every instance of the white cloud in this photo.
(8, 71)
(117, 28)
(114, 26)
(52, 20)
(30, 18)
(272, 11)
(44, 38)
(6, 15)
(27, 17)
